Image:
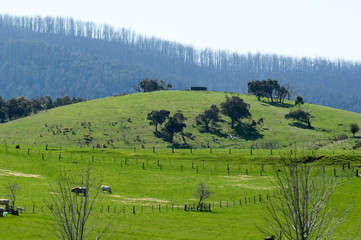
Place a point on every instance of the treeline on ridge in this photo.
(21, 107)
(332, 83)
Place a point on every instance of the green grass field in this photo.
(146, 174)
(159, 193)
(120, 122)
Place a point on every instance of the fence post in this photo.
(133, 209)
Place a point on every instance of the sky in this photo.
(296, 28)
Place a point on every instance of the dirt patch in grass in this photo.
(4, 172)
(133, 200)
(252, 187)
(239, 177)
(252, 182)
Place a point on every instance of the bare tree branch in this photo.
(73, 212)
(300, 209)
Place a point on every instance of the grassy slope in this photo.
(108, 123)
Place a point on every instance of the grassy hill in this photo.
(120, 122)
(150, 189)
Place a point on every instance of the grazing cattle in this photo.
(4, 202)
(107, 189)
(79, 190)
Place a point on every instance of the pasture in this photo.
(121, 122)
(150, 188)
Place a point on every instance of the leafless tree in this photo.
(202, 193)
(291, 89)
(13, 188)
(73, 213)
(300, 208)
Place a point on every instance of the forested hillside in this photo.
(56, 56)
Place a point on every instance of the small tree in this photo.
(299, 101)
(235, 108)
(300, 209)
(73, 213)
(354, 128)
(300, 116)
(157, 118)
(202, 193)
(174, 125)
(13, 188)
(209, 116)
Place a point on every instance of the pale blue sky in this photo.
(325, 28)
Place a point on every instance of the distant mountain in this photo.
(56, 56)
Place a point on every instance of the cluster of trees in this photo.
(172, 126)
(234, 107)
(269, 89)
(151, 85)
(104, 61)
(21, 107)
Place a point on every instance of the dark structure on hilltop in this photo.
(198, 88)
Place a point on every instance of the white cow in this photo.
(107, 189)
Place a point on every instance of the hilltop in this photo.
(120, 122)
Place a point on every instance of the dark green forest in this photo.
(61, 56)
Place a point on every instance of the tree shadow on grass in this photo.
(214, 131)
(276, 104)
(247, 131)
(161, 136)
(300, 125)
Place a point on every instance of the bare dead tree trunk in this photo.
(13, 188)
(300, 208)
(71, 211)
